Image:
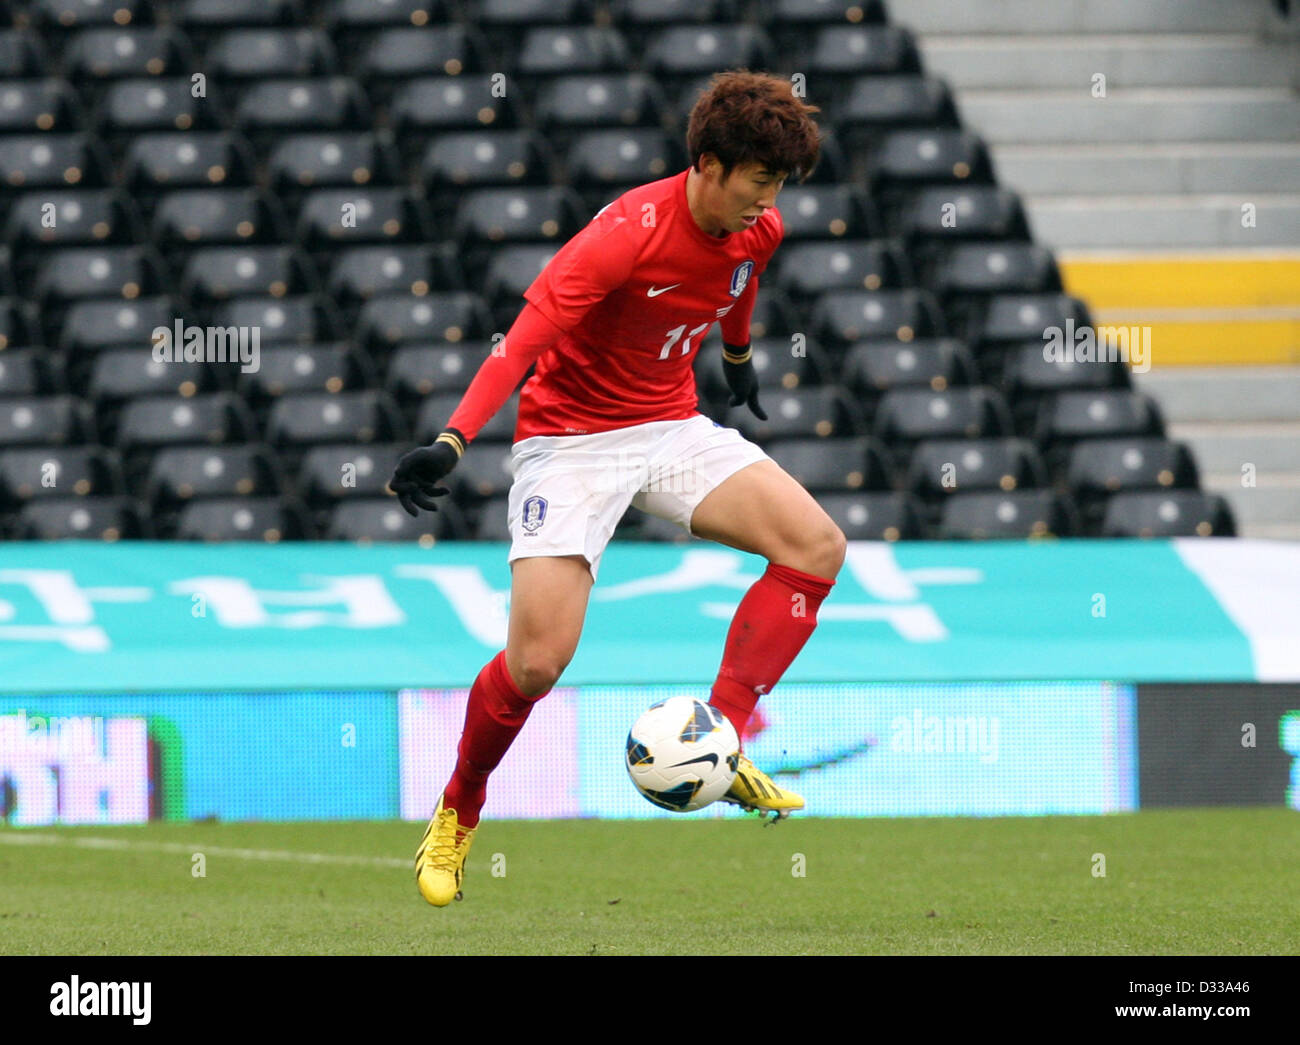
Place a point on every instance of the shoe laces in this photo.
(443, 845)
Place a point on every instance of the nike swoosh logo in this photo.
(710, 758)
(654, 292)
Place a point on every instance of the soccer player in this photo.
(609, 418)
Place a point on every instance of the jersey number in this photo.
(676, 333)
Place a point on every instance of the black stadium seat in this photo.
(364, 190)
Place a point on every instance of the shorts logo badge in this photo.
(740, 277)
(534, 513)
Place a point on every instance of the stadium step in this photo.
(1243, 425)
(1084, 16)
(1132, 169)
(1241, 220)
(1240, 308)
(1145, 114)
(1072, 61)
(1241, 394)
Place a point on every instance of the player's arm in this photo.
(416, 478)
(588, 267)
(737, 358)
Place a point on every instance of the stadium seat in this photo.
(943, 468)
(30, 372)
(1013, 515)
(306, 368)
(416, 371)
(437, 104)
(510, 272)
(22, 54)
(311, 419)
(981, 212)
(362, 273)
(570, 50)
(908, 415)
(92, 325)
(345, 15)
(840, 465)
(302, 104)
(455, 162)
(1100, 468)
(599, 100)
(398, 53)
(878, 104)
(120, 374)
(39, 105)
(874, 516)
(434, 413)
(162, 161)
(905, 160)
(249, 54)
(95, 272)
(840, 317)
(301, 162)
(1103, 413)
(804, 270)
(387, 321)
(839, 52)
(780, 364)
(682, 51)
(523, 215)
(483, 473)
(81, 519)
(55, 15)
(156, 422)
(370, 519)
(70, 219)
(189, 219)
(181, 474)
(132, 107)
(44, 421)
(825, 212)
(206, 16)
(268, 519)
(52, 161)
(1178, 513)
(330, 218)
(1023, 317)
(329, 474)
(640, 15)
(820, 412)
(124, 53)
(302, 319)
(58, 471)
(216, 274)
(630, 156)
(874, 367)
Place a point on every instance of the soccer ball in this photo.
(682, 754)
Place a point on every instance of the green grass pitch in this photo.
(1219, 881)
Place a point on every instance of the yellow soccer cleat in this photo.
(753, 789)
(440, 860)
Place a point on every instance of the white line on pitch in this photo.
(29, 838)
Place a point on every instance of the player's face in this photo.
(737, 202)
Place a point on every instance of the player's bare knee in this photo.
(822, 552)
(537, 672)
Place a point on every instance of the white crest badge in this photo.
(741, 277)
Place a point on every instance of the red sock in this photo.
(494, 715)
(772, 623)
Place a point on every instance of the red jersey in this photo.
(635, 293)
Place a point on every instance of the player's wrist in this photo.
(736, 354)
(453, 438)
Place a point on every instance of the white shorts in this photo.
(570, 491)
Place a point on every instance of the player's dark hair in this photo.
(745, 117)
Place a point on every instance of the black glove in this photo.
(415, 479)
(738, 369)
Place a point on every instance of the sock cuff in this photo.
(504, 684)
(800, 581)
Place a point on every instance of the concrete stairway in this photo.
(1243, 426)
